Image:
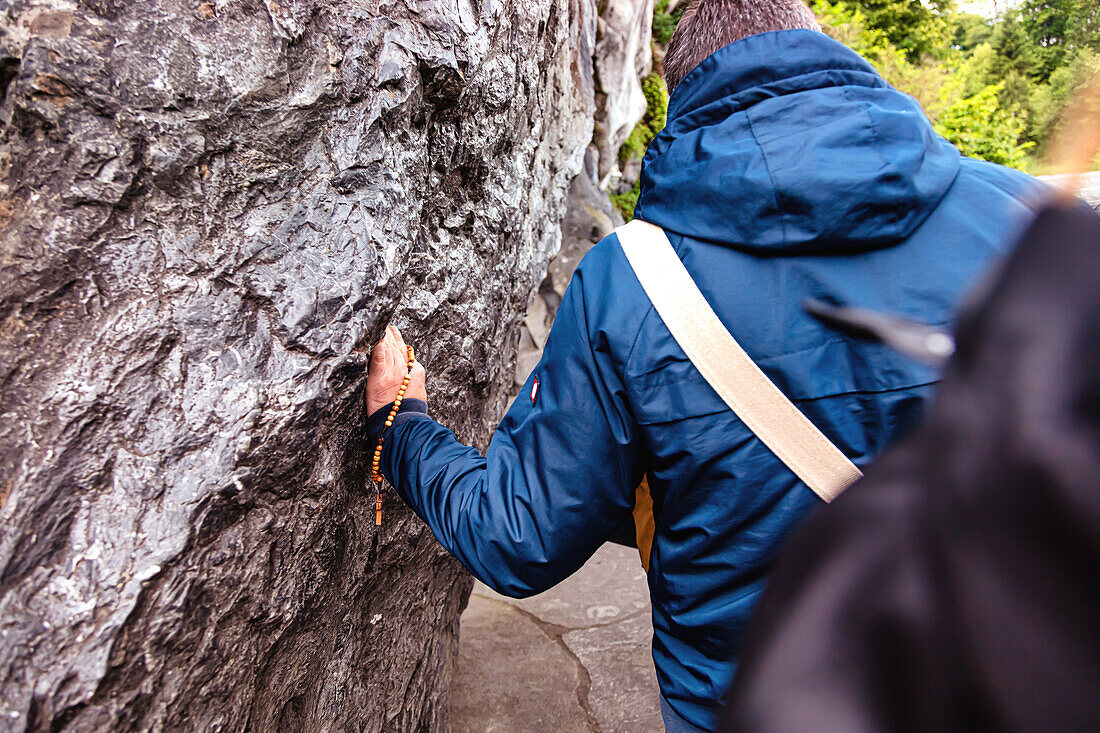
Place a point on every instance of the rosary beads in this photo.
(374, 473)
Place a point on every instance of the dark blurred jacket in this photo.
(957, 587)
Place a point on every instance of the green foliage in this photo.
(1059, 30)
(656, 97)
(972, 73)
(1013, 50)
(636, 143)
(847, 23)
(1045, 22)
(1048, 100)
(995, 88)
(625, 202)
(664, 23)
(916, 29)
(970, 31)
(981, 128)
(910, 29)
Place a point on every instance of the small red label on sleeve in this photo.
(534, 390)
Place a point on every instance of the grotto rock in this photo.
(623, 57)
(208, 211)
(589, 217)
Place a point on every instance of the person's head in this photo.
(708, 25)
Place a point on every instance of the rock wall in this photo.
(623, 57)
(208, 210)
(589, 217)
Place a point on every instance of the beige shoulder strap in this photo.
(729, 370)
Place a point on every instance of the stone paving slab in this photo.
(622, 692)
(512, 676)
(610, 587)
(575, 658)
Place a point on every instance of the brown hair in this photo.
(708, 25)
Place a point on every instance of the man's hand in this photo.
(389, 363)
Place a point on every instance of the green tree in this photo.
(970, 31)
(1059, 30)
(995, 88)
(975, 72)
(1084, 30)
(1014, 50)
(1014, 65)
(1050, 99)
(916, 28)
(981, 128)
(847, 23)
(1046, 23)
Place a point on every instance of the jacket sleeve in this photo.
(559, 475)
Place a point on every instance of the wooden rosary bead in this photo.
(376, 476)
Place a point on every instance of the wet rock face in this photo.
(208, 210)
(623, 58)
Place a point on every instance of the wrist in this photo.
(410, 408)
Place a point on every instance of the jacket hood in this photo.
(790, 142)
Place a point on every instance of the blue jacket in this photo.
(789, 169)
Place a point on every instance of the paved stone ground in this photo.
(575, 658)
